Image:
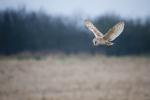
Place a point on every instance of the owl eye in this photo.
(95, 42)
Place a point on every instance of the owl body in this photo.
(101, 41)
(106, 39)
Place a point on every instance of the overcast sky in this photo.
(125, 8)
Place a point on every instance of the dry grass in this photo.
(75, 77)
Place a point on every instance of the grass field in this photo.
(75, 77)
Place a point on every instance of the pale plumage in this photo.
(111, 35)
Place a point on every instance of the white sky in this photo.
(92, 8)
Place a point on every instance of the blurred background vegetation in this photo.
(24, 31)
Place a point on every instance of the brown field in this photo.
(75, 77)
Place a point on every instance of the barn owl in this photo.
(106, 39)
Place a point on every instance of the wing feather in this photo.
(114, 32)
(93, 29)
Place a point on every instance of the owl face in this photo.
(96, 42)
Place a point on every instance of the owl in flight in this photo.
(106, 39)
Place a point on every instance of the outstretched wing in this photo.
(114, 32)
(92, 28)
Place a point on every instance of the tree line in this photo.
(22, 31)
